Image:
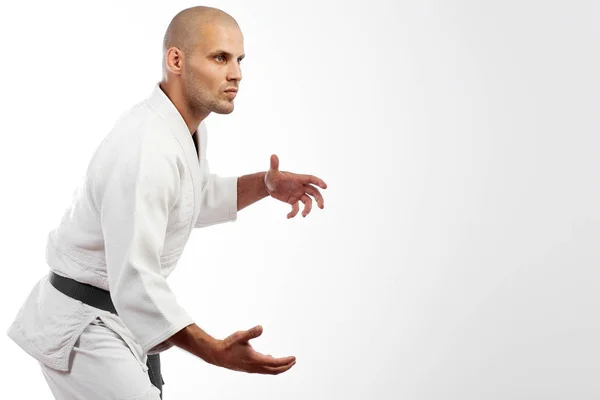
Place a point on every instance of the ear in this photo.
(174, 60)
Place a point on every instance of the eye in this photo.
(220, 57)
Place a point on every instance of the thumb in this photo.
(274, 162)
(252, 333)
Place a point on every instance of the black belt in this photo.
(100, 298)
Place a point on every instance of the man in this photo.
(105, 309)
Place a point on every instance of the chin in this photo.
(224, 108)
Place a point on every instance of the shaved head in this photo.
(202, 51)
(189, 26)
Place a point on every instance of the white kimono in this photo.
(144, 191)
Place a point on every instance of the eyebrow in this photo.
(228, 54)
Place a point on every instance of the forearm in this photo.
(194, 340)
(250, 189)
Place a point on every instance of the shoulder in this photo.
(142, 133)
(139, 147)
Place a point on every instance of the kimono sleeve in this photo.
(134, 213)
(219, 199)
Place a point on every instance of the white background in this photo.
(457, 255)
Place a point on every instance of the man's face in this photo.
(214, 69)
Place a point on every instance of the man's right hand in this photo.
(236, 353)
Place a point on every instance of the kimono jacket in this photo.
(145, 189)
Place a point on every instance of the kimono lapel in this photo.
(160, 103)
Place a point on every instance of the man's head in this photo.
(202, 51)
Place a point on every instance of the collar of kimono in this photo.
(160, 103)
(163, 106)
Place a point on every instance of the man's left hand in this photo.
(292, 188)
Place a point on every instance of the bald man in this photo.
(100, 318)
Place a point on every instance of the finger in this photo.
(314, 192)
(269, 361)
(274, 162)
(276, 370)
(245, 336)
(307, 204)
(295, 209)
(306, 179)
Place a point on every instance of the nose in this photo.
(234, 72)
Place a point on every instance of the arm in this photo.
(223, 197)
(250, 189)
(219, 195)
(234, 352)
(197, 342)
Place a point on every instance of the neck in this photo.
(192, 117)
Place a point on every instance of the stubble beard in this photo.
(201, 101)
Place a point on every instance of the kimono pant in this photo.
(102, 367)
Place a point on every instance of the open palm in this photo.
(292, 188)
